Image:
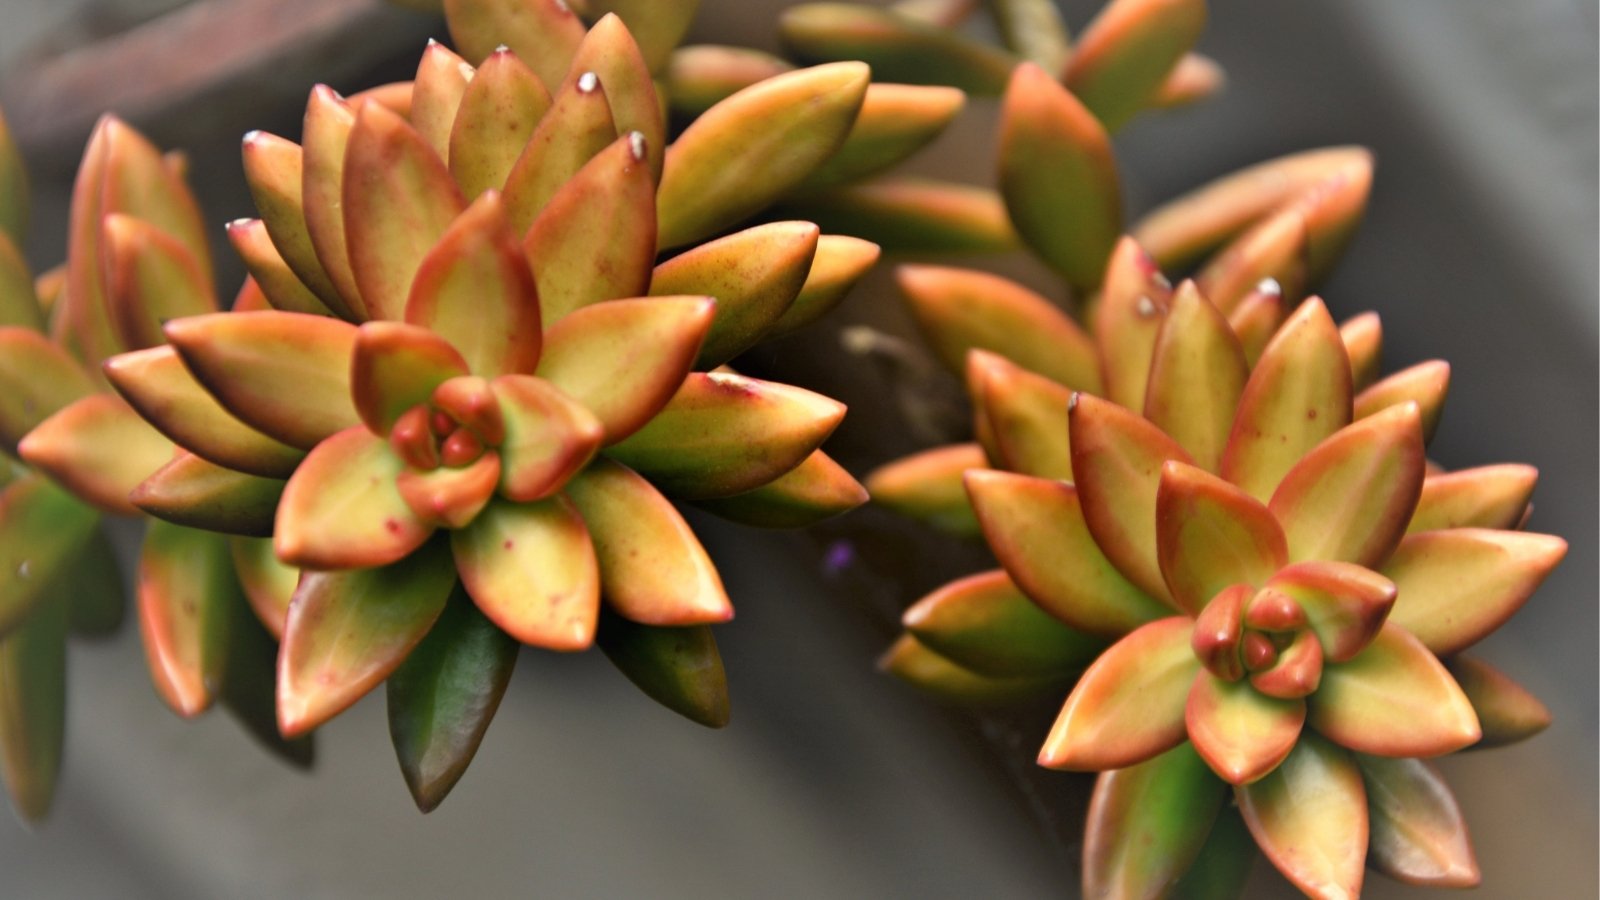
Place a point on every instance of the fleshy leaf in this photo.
(963, 309)
(1298, 394)
(1196, 77)
(1211, 535)
(984, 623)
(576, 127)
(1273, 250)
(1457, 586)
(448, 496)
(150, 277)
(944, 680)
(595, 239)
(499, 111)
(754, 147)
(94, 587)
(1257, 318)
(724, 434)
(545, 33)
(1129, 705)
(1127, 322)
(609, 51)
(37, 379)
(398, 200)
(138, 181)
(1241, 733)
(839, 263)
(1121, 60)
(652, 567)
(33, 720)
(347, 631)
(272, 275)
(1035, 31)
(1425, 384)
(476, 292)
(19, 303)
(275, 168)
(326, 132)
(1147, 824)
(548, 437)
(896, 120)
(99, 449)
(624, 359)
(14, 206)
(268, 584)
(816, 490)
(1027, 414)
(187, 594)
(284, 374)
(1183, 229)
(754, 275)
(909, 214)
(1344, 604)
(1507, 711)
(1116, 462)
(193, 492)
(1058, 177)
(1197, 372)
(1310, 818)
(1485, 497)
(436, 92)
(929, 486)
(342, 509)
(679, 668)
(158, 386)
(531, 568)
(1349, 499)
(1418, 833)
(1363, 343)
(442, 698)
(43, 529)
(1393, 699)
(900, 48)
(1037, 530)
(249, 689)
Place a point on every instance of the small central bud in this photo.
(468, 401)
(461, 448)
(1257, 651)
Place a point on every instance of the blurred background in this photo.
(1480, 247)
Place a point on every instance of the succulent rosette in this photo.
(466, 389)
(136, 255)
(1257, 240)
(1288, 588)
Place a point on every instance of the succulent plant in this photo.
(466, 389)
(1257, 241)
(136, 256)
(1288, 587)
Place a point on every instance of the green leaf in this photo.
(1148, 823)
(43, 529)
(679, 668)
(443, 697)
(33, 707)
